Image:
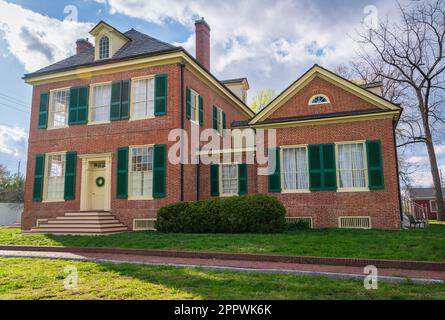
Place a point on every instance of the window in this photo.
(219, 121)
(55, 177)
(143, 98)
(295, 168)
(433, 205)
(194, 116)
(100, 107)
(59, 108)
(104, 47)
(141, 172)
(319, 99)
(229, 179)
(351, 165)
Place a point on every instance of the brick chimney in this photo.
(202, 30)
(83, 45)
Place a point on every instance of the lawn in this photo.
(44, 279)
(419, 244)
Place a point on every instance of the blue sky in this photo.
(270, 42)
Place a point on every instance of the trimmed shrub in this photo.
(246, 214)
(298, 225)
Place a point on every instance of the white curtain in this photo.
(295, 169)
(351, 165)
(141, 171)
(56, 177)
(143, 98)
(59, 107)
(101, 103)
(229, 179)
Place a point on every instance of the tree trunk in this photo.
(436, 177)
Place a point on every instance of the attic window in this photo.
(104, 48)
(319, 99)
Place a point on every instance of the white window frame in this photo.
(365, 163)
(282, 169)
(51, 111)
(101, 48)
(194, 96)
(131, 197)
(133, 80)
(220, 124)
(221, 193)
(90, 102)
(45, 179)
(311, 103)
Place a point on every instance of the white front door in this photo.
(97, 185)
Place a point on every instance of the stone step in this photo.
(78, 230)
(89, 221)
(81, 225)
(87, 214)
(86, 218)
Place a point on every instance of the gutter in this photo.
(399, 194)
(182, 66)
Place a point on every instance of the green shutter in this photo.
(274, 180)
(201, 111)
(215, 118)
(159, 170)
(322, 167)
(242, 179)
(160, 95)
(125, 100)
(224, 120)
(329, 167)
(74, 102)
(122, 173)
(78, 109)
(39, 173)
(214, 180)
(43, 110)
(82, 108)
(188, 103)
(315, 168)
(375, 164)
(115, 104)
(70, 175)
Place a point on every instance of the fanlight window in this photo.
(104, 47)
(319, 99)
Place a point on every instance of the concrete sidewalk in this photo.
(334, 271)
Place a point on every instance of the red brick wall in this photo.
(326, 206)
(340, 101)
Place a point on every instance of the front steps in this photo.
(81, 223)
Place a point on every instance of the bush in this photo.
(298, 225)
(246, 214)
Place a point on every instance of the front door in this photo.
(96, 185)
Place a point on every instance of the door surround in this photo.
(84, 192)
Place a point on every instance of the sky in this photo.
(270, 42)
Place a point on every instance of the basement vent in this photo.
(39, 222)
(144, 224)
(308, 220)
(354, 222)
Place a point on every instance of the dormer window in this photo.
(319, 99)
(104, 48)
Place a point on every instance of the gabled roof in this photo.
(103, 24)
(238, 80)
(138, 44)
(327, 75)
(417, 193)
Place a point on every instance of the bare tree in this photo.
(409, 54)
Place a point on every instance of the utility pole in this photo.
(18, 169)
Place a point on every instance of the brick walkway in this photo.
(390, 275)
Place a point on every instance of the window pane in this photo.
(295, 169)
(351, 165)
(56, 177)
(229, 179)
(101, 103)
(143, 98)
(104, 47)
(59, 106)
(141, 171)
(195, 107)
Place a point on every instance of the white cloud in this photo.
(38, 40)
(285, 32)
(12, 140)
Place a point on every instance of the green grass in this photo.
(22, 278)
(420, 244)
